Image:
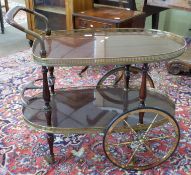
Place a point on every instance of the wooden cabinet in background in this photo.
(69, 14)
(58, 12)
(109, 17)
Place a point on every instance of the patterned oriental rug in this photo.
(22, 149)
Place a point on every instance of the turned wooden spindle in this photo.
(143, 91)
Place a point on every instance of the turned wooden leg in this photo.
(50, 136)
(143, 91)
(47, 109)
(52, 79)
(127, 76)
(46, 92)
(50, 139)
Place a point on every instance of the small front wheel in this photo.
(131, 145)
(115, 77)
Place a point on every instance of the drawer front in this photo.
(81, 23)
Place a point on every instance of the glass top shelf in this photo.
(108, 46)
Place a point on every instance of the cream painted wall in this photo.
(176, 21)
(162, 21)
(148, 25)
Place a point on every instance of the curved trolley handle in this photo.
(10, 20)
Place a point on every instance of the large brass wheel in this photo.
(115, 77)
(135, 146)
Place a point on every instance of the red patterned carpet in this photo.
(22, 149)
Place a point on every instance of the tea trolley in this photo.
(137, 120)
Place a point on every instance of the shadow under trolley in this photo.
(140, 131)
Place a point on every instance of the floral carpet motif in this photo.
(22, 149)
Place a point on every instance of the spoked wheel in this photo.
(131, 145)
(115, 77)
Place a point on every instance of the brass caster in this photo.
(49, 159)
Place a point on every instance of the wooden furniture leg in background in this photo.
(6, 5)
(1, 19)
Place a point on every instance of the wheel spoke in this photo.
(151, 151)
(130, 128)
(150, 126)
(131, 158)
(123, 143)
(159, 138)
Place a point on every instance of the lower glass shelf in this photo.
(89, 110)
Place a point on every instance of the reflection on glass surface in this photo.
(96, 108)
(113, 44)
